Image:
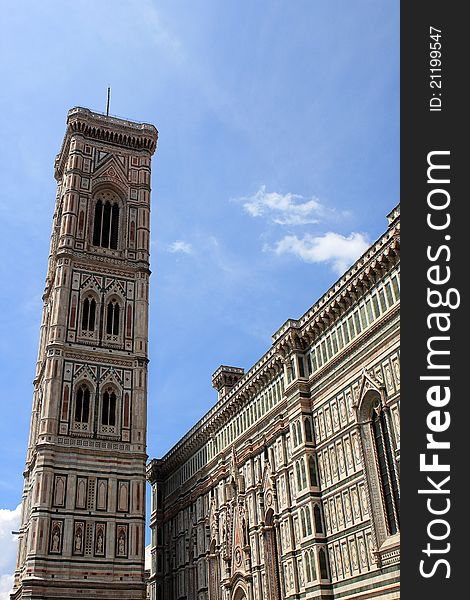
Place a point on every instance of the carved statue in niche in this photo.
(55, 540)
(99, 547)
(56, 536)
(78, 539)
(121, 542)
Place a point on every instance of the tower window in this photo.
(88, 314)
(82, 404)
(323, 564)
(106, 224)
(312, 467)
(318, 519)
(108, 413)
(112, 318)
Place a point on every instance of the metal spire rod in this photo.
(107, 101)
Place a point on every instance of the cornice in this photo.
(109, 130)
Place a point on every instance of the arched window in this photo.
(88, 314)
(308, 568)
(112, 318)
(312, 469)
(304, 473)
(299, 477)
(308, 430)
(388, 476)
(82, 404)
(308, 520)
(318, 520)
(299, 431)
(312, 560)
(106, 224)
(108, 409)
(302, 520)
(295, 441)
(323, 564)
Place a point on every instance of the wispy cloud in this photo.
(283, 209)
(9, 521)
(181, 247)
(333, 248)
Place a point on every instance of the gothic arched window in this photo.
(312, 469)
(323, 564)
(112, 318)
(318, 520)
(388, 476)
(308, 430)
(308, 568)
(108, 408)
(88, 314)
(378, 447)
(82, 404)
(106, 224)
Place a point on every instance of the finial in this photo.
(107, 101)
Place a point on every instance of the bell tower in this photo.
(82, 533)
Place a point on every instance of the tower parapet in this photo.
(224, 378)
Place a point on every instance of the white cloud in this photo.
(338, 250)
(6, 585)
(283, 209)
(180, 246)
(9, 521)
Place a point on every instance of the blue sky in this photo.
(278, 160)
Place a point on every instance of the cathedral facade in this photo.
(288, 487)
(82, 532)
